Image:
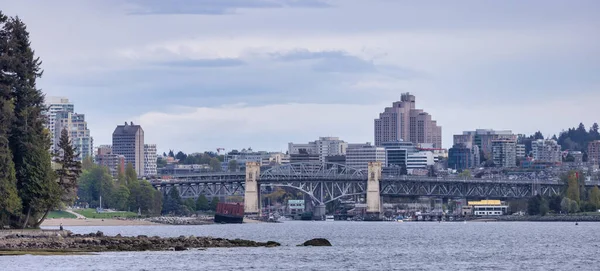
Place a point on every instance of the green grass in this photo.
(91, 213)
(60, 214)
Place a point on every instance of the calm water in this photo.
(356, 246)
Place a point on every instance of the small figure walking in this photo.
(61, 228)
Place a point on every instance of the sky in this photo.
(205, 74)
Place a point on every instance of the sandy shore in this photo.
(94, 222)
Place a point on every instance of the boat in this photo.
(400, 219)
(229, 213)
(329, 218)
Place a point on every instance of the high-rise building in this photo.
(594, 152)
(55, 105)
(150, 158)
(547, 151)
(358, 156)
(404, 122)
(128, 140)
(483, 139)
(419, 160)
(504, 153)
(79, 134)
(325, 146)
(461, 157)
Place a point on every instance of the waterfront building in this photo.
(323, 147)
(128, 140)
(546, 151)
(403, 121)
(594, 152)
(504, 153)
(488, 207)
(295, 207)
(79, 134)
(150, 159)
(359, 155)
(483, 139)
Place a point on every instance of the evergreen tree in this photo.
(190, 204)
(10, 203)
(69, 169)
(121, 175)
(202, 203)
(213, 204)
(130, 173)
(594, 197)
(573, 188)
(29, 140)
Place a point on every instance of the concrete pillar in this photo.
(373, 193)
(251, 194)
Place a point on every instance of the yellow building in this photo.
(488, 207)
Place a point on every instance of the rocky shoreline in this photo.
(65, 241)
(169, 220)
(551, 218)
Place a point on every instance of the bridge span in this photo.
(327, 182)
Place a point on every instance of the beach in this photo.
(94, 222)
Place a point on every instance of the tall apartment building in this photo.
(594, 152)
(504, 153)
(55, 105)
(150, 157)
(128, 140)
(358, 156)
(521, 153)
(404, 122)
(483, 139)
(547, 151)
(325, 146)
(79, 134)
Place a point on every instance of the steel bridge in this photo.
(327, 182)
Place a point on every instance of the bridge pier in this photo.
(252, 189)
(373, 192)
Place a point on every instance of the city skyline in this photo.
(479, 66)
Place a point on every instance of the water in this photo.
(356, 246)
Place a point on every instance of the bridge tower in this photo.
(373, 192)
(252, 189)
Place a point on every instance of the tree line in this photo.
(124, 193)
(207, 158)
(575, 198)
(29, 185)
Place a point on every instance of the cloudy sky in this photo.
(202, 74)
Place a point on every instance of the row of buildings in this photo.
(393, 154)
(502, 148)
(128, 139)
(61, 115)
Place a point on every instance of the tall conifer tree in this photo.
(10, 203)
(29, 140)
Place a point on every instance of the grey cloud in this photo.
(216, 7)
(204, 63)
